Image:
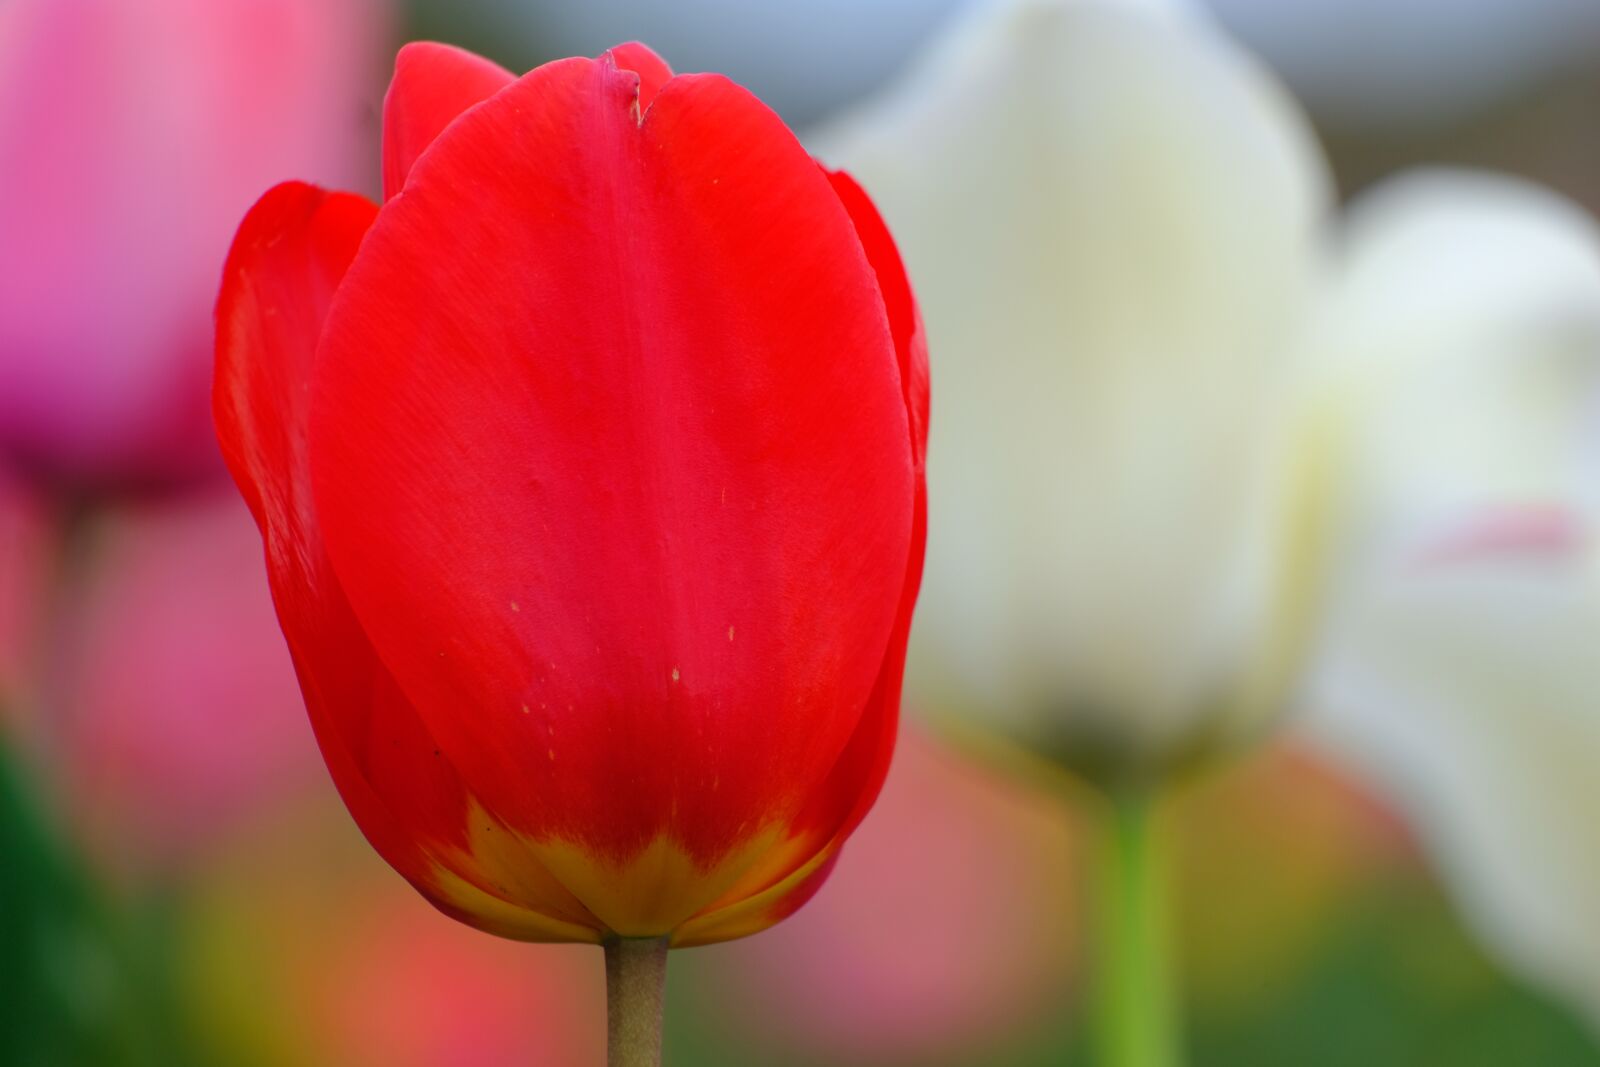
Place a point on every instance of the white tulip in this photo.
(1199, 447)
(1112, 217)
(1461, 672)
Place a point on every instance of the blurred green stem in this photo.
(1137, 1009)
(636, 986)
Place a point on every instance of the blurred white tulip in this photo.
(1112, 217)
(1196, 442)
(1470, 694)
(1461, 672)
(1199, 447)
(1462, 317)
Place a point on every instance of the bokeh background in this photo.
(178, 881)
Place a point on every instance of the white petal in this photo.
(1110, 217)
(1461, 348)
(1461, 337)
(1472, 696)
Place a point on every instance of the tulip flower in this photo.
(140, 659)
(1466, 694)
(132, 137)
(1144, 483)
(589, 469)
(1114, 218)
(1115, 300)
(174, 699)
(1461, 677)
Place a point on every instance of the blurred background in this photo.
(180, 884)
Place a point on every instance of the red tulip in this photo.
(589, 469)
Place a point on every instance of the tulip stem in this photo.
(1137, 1009)
(636, 986)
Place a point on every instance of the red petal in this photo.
(287, 261)
(774, 888)
(610, 428)
(785, 879)
(433, 84)
(859, 775)
(905, 319)
(753, 914)
(652, 69)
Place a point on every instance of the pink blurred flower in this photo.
(179, 716)
(908, 955)
(132, 138)
(408, 989)
(300, 947)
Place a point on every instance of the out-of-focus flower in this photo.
(1474, 706)
(1113, 217)
(132, 137)
(1463, 669)
(636, 522)
(298, 949)
(409, 992)
(176, 705)
(942, 836)
(1151, 390)
(1110, 215)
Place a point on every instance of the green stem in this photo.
(1138, 1018)
(636, 986)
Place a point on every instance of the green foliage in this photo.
(77, 988)
(1398, 982)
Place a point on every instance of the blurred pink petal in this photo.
(1530, 532)
(949, 921)
(410, 989)
(181, 715)
(133, 136)
(300, 948)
